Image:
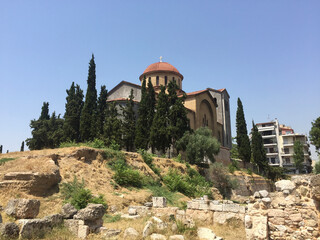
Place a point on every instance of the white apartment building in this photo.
(278, 141)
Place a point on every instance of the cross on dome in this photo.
(160, 58)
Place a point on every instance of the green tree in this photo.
(44, 112)
(258, 152)
(1, 147)
(102, 108)
(89, 111)
(22, 147)
(178, 120)
(151, 103)
(129, 123)
(317, 167)
(142, 133)
(72, 115)
(112, 125)
(46, 133)
(315, 134)
(199, 145)
(298, 155)
(243, 141)
(159, 134)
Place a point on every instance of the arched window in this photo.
(157, 81)
(173, 79)
(205, 121)
(165, 80)
(149, 79)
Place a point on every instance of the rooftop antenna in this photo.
(160, 58)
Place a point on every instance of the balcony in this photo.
(269, 136)
(270, 144)
(268, 128)
(272, 154)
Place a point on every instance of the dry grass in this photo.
(232, 230)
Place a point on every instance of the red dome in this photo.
(161, 67)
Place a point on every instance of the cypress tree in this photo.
(102, 107)
(73, 106)
(258, 151)
(22, 147)
(178, 120)
(1, 148)
(243, 141)
(298, 156)
(46, 133)
(129, 123)
(159, 134)
(151, 103)
(112, 126)
(141, 139)
(88, 114)
(44, 112)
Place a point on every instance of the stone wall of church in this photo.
(124, 92)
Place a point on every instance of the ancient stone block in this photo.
(159, 202)
(205, 233)
(231, 208)
(130, 233)
(32, 228)
(215, 207)
(68, 211)
(156, 236)
(200, 215)
(9, 230)
(83, 231)
(23, 208)
(259, 230)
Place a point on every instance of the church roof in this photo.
(161, 67)
(123, 83)
(120, 100)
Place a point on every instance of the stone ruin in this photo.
(289, 213)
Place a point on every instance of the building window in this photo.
(149, 79)
(205, 121)
(165, 80)
(287, 160)
(157, 81)
(286, 150)
(273, 160)
(173, 79)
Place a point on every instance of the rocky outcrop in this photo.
(23, 208)
(249, 184)
(130, 233)
(289, 213)
(34, 183)
(9, 230)
(92, 216)
(68, 211)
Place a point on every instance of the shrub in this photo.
(276, 173)
(148, 159)
(163, 191)
(233, 166)
(75, 194)
(125, 175)
(96, 143)
(221, 179)
(317, 167)
(128, 177)
(192, 184)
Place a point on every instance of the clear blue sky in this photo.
(265, 52)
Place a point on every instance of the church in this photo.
(206, 108)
